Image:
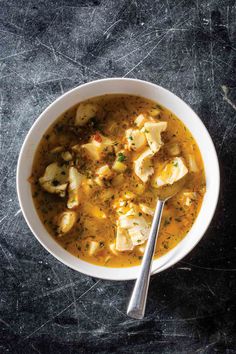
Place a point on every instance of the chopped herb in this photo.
(178, 219)
(159, 107)
(140, 257)
(55, 182)
(94, 122)
(121, 157)
(44, 210)
(140, 214)
(59, 128)
(166, 222)
(131, 138)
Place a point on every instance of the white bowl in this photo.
(133, 87)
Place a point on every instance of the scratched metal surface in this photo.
(48, 47)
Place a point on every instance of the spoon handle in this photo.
(137, 304)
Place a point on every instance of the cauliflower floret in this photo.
(136, 140)
(54, 179)
(143, 165)
(103, 173)
(139, 234)
(97, 146)
(137, 227)
(132, 227)
(93, 150)
(123, 240)
(85, 112)
(66, 156)
(193, 167)
(66, 221)
(93, 247)
(140, 120)
(172, 172)
(153, 134)
(75, 180)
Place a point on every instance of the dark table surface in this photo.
(49, 47)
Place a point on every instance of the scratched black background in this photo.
(49, 47)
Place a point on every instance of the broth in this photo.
(99, 142)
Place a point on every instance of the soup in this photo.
(97, 173)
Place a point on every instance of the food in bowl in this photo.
(97, 172)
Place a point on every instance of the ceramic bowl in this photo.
(122, 86)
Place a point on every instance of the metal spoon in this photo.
(137, 304)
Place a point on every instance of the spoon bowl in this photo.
(170, 190)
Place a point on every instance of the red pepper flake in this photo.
(97, 137)
(31, 179)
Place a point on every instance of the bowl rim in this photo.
(170, 261)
